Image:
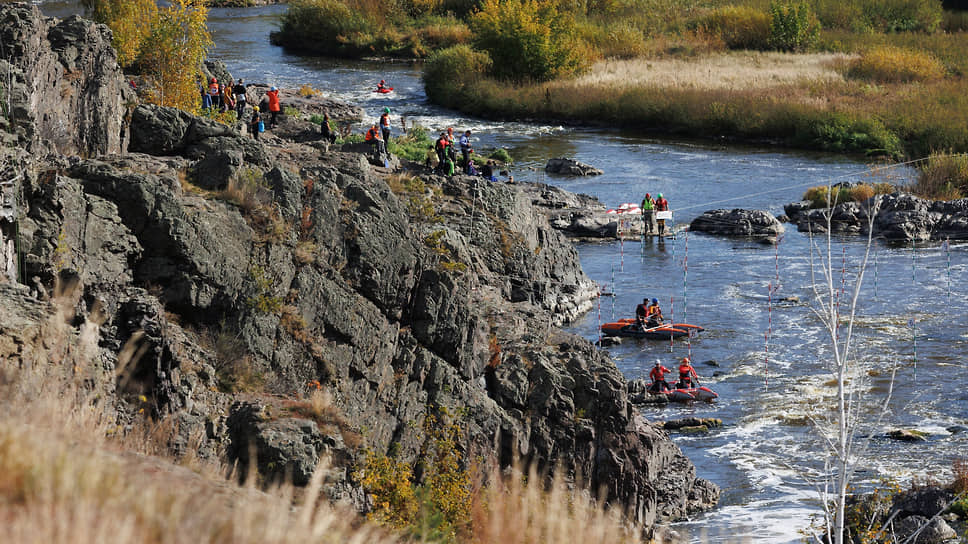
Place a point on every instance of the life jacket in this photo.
(658, 373)
(662, 205)
(685, 371)
(647, 204)
(371, 135)
(385, 120)
(213, 89)
(442, 144)
(653, 310)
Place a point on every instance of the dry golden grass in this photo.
(728, 71)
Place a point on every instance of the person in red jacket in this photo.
(273, 95)
(657, 375)
(661, 205)
(687, 375)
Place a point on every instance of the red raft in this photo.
(687, 394)
(384, 90)
(629, 327)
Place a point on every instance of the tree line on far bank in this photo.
(901, 94)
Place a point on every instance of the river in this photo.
(768, 448)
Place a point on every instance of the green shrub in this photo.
(501, 154)
(904, 15)
(527, 39)
(413, 145)
(448, 71)
(843, 132)
(793, 27)
(740, 27)
(889, 64)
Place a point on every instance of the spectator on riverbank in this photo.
(239, 91)
(328, 133)
(255, 124)
(465, 146)
(273, 95)
(385, 125)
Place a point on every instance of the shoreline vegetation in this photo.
(881, 78)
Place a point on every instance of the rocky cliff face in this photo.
(244, 273)
(64, 90)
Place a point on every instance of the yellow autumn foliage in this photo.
(177, 44)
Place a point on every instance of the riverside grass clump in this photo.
(943, 177)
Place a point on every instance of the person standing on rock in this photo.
(465, 147)
(661, 205)
(273, 95)
(213, 94)
(385, 125)
(648, 215)
(256, 125)
(239, 91)
(328, 133)
(657, 375)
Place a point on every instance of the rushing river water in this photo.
(768, 444)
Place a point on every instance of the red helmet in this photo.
(382, 81)
(214, 80)
(686, 360)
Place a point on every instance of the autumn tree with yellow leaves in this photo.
(166, 45)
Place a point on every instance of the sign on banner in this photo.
(663, 215)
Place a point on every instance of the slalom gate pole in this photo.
(621, 243)
(614, 293)
(599, 318)
(685, 299)
(766, 337)
(875, 273)
(946, 246)
(914, 330)
(672, 319)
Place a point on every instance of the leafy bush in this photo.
(904, 15)
(177, 43)
(793, 27)
(527, 39)
(943, 177)
(843, 132)
(501, 154)
(740, 27)
(889, 64)
(448, 71)
(323, 25)
(413, 145)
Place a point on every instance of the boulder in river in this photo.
(738, 222)
(907, 435)
(570, 167)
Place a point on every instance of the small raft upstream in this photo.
(629, 327)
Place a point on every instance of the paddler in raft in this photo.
(687, 375)
(657, 375)
(653, 314)
(381, 86)
(642, 312)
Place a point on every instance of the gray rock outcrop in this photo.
(900, 217)
(67, 94)
(737, 222)
(570, 167)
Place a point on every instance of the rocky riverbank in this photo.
(900, 217)
(245, 273)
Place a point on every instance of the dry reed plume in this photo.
(730, 71)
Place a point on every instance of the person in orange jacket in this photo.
(373, 138)
(687, 375)
(661, 205)
(273, 95)
(657, 375)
